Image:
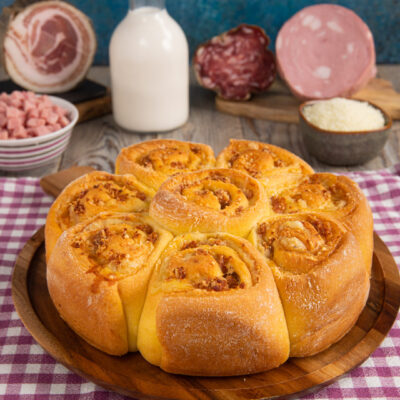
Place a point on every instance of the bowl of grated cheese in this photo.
(342, 131)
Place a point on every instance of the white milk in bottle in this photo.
(149, 65)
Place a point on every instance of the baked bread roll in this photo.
(214, 200)
(272, 165)
(336, 195)
(212, 308)
(270, 259)
(91, 194)
(320, 274)
(152, 162)
(98, 274)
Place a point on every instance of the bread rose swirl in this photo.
(320, 274)
(98, 275)
(212, 308)
(152, 162)
(272, 165)
(91, 194)
(214, 200)
(337, 195)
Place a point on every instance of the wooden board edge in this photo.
(255, 110)
(22, 302)
(265, 106)
(53, 184)
(94, 108)
(359, 353)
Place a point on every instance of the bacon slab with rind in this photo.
(49, 47)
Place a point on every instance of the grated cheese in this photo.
(339, 114)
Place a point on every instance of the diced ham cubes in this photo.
(3, 120)
(54, 127)
(41, 130)
(3, 134)
(16, 95)
(52, 118)
(14, 123)
(34, 122)
(12, 112)
(20, 133)
(24, 114)
(63, 121)
(33, 113)
(28, 105)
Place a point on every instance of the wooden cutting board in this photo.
(131, 375)
(278, 104)
(53, 184)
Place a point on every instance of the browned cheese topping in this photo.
(218, 192)
(204, 267)
(106, 195)
(299, 243)
(117, 250)
(311, 194)
(173, 159)
(256, 162)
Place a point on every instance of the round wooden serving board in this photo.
(133, 376)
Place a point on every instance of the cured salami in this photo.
(325, 51)
(236, 63)
(49, 47)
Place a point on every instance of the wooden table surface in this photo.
(98, 142)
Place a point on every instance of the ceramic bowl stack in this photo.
(23, 154)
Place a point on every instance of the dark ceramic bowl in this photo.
(343, 148)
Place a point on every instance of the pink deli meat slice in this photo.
(236, 63)
(325, 51)
(49, 47)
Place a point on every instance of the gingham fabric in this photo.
(28, 372)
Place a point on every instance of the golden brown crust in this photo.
(212, 297)
(98, 274)
(152, 162)
(214, 200)
(270, 164)
(91, 194)
(320, 274)
(335, 195)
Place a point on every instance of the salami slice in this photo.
(236, 63)
(325, 51)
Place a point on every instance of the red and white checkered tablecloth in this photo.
(28, 372)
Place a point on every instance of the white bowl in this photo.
(24, 154)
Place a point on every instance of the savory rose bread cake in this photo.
(247, 260)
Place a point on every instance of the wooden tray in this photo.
(278, 104)
(133, 376)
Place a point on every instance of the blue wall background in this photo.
(202, 19)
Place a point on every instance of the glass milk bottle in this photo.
(149, 65)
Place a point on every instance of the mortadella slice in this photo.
(236, 63)
(325, 51)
